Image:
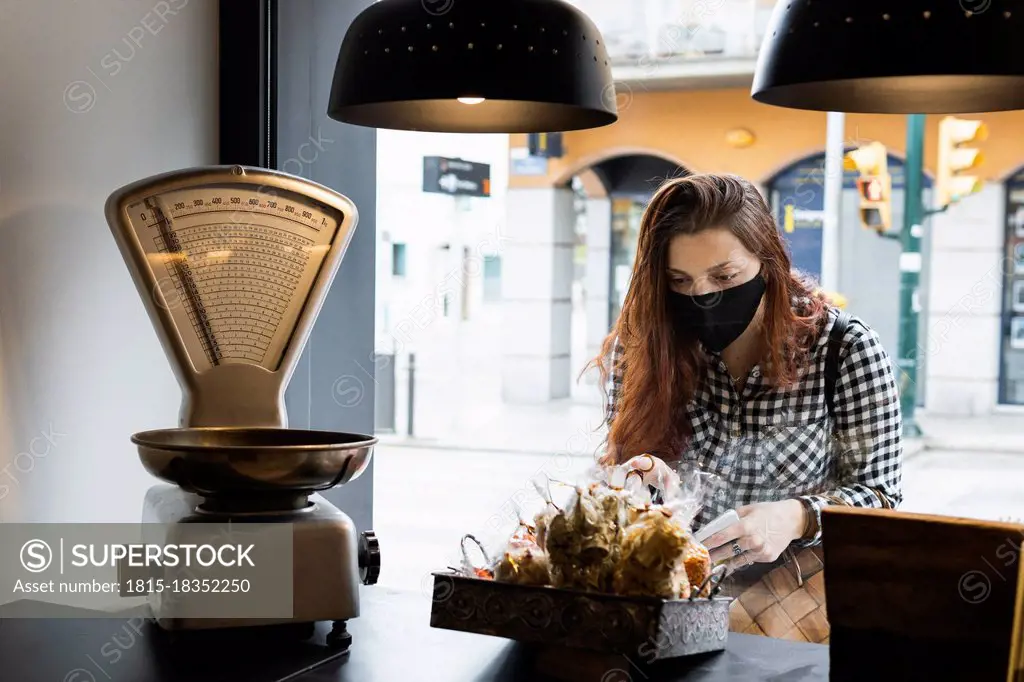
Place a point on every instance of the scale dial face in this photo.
(233, 266)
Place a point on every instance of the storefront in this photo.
(1011, 365)
(627, 210)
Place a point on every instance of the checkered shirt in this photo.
(769, 444)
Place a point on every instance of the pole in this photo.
(463, 205)
(834, 151)
(910, 272)
(412, 395)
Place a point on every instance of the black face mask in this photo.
(717, 319)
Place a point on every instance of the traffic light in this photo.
(875, 205)
(874, 186)
(954, 159)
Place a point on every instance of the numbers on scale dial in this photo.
(244, 275)
(241, 203)
(271, 203)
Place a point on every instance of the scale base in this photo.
(325, 574)
(335, 635)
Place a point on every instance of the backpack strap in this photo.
(835, 342)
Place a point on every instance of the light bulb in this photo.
(471, 100)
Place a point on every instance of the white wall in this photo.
(536, 290)
(598, 274)
(96, 94)
(965, 292)
(423, 222)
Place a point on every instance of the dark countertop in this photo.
(392, 640)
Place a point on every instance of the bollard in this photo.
(412, 393)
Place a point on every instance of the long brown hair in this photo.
(662, 371)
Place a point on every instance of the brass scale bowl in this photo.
(250, 467)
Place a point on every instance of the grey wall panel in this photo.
(869, 272)
(333, 385)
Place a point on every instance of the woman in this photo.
(718, 360)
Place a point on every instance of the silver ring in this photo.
(736, 549)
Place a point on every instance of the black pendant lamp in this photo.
(473, 66)
(893, 56)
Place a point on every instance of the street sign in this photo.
(456, 177)
(529, 165)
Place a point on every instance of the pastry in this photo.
(523, 565)
(652, 559)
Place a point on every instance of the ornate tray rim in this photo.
(669, 628)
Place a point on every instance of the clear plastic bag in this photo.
(523, 562)
(659, 556)
(624, 529)
(682, 487)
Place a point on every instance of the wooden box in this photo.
(921, 597)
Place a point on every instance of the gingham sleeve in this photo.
(614, 383)
(868, 453)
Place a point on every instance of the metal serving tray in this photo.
(651, 628)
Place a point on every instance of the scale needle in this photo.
(188, 283)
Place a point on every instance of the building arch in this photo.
(796, 193)
(789, 163)
(1014, 175)
(817, 155)
(591, 160)
(618, 184)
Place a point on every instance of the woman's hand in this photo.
(654, 471)
(763, 532)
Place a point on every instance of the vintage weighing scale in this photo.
(233, 265)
